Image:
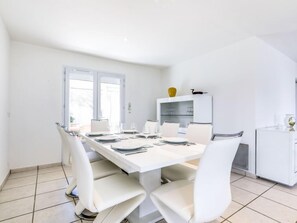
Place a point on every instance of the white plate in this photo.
(101, 133)
(107, 138)
(128, 146)
(175, 140)
(130, 131)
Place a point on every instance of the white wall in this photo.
(232, 75)
(36, 98)
(4, 83)
(275, 79)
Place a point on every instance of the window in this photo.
(92, 95)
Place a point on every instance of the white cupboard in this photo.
(185, 109)
(276, 155)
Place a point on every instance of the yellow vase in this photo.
(172, 91)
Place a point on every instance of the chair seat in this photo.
(94, 156)
(114, 190)
(104, 168)
(176, 172)
(178, 196)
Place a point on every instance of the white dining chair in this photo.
(100, 168)
(199, 133)
(168, 129)
(112, 197)
(100, 125)
(196, 133)
(150, 127)
(206, 198)
(66, 155)
(66, 160)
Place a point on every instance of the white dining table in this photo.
(146, 166)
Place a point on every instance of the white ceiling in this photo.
(152, 32)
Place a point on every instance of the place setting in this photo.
(177, 141)
(107, 138)
(99, 133)
(129, 148)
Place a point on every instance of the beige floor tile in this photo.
(233, 207)
(217, 220)
(50, 169)
(261, 181)
(21, 219)
(17, 193)
(221, 219)
(19, 182)
(247, 215)
(50, 176)
(282, 197)
(51, 186)
(235, 176)
(50, 199)
(291, 190)
(63, 213)
(23, 174)
(16, 208)
(68, 171)
(242, 196)
(250, 186)
(274, 210)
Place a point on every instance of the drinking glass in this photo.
(122, 127)
(133, 126)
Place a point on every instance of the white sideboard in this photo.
(276, 155)
(185, 109)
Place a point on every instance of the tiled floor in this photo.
(39, 196)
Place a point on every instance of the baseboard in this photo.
(251, 175)
(35, 167)
(49, 165)
(239, 171)
(4, 181)
(23, 169)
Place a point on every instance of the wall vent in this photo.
(241, 160)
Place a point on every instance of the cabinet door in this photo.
(203, 109)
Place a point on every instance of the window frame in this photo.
(97, 75)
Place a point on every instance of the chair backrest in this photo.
(83, 172)
(169, 129)
(218, 136)
(98, 125)
(65, 146)
(199, 133)
(212, 193)
(150, 126)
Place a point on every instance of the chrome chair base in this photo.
(87, 215)
(73, 194)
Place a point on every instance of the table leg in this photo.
(147, 212)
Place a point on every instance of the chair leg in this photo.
(83, 213)
(102, 215)
(164, 180)
(79, 208)
(169, 215)
(70, 188)
(118, 212)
